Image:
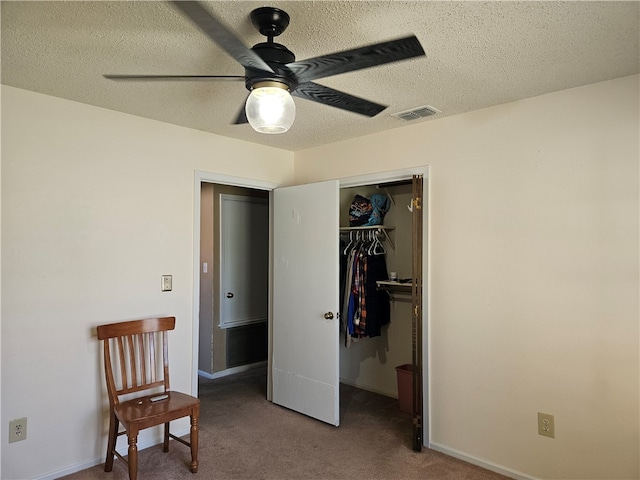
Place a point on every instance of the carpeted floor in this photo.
(243, 436)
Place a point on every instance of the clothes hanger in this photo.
(378, 243)
(348, 247)
(370, 245)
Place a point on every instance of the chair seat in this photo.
(145, 413)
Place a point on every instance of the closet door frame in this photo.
(417, 241)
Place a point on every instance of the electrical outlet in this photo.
(166, 283)
(18, 430)
(546, 425)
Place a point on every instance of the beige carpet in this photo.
(243, 436)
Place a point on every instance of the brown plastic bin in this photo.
(405, 387)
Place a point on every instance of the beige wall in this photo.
(96, 206)
(534, 267)
(534, 213)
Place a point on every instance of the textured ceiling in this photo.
(478, 54)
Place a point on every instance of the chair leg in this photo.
(111, 444)
(165, 446)
(133, 457)
(193, 440)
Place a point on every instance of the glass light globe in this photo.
(270, 109)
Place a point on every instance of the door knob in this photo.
(328, 315)
(229, 295)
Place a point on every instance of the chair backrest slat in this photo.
(119, 346)
(130, 348)
(133, 360)
(165, 354)
(152, 358)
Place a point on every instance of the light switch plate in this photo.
(166, 283)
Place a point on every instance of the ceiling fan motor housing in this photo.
(276, 56)
(270, 21)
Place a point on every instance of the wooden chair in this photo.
(135, 361)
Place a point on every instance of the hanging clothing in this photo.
(366, 309)
(379, 311)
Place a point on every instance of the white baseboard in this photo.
(99, 460)
(452, 452)
(369, 388)
(71, 469)
(231, 371)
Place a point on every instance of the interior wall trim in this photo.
(231, 371)
(369, 388)
(452, 452)
(383, 177)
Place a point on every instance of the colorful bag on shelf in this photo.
(359, 211)
(365, 212)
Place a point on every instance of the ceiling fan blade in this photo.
(356, 59)
(221, 35)
(205, 78)
(335, 98)
(242, 115)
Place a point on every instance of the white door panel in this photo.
(244, 259)
(306, 270)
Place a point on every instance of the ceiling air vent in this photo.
(416, 113)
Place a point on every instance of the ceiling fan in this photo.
(272, 75)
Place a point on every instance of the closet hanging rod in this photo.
(368, 227)
(379, 228)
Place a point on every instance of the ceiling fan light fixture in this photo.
(270, 108)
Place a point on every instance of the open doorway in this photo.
(233, 273)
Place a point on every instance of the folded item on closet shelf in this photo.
(359, 211)
(367, 212)
(380, 205)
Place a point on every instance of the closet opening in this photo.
(381, 322)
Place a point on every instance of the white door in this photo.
(244, 260)
(305, 368)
